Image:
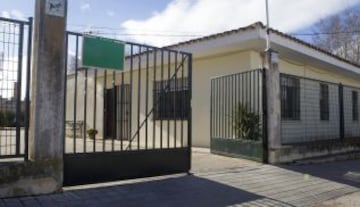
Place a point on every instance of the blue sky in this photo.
(162, 22)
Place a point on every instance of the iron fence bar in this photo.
(105, 108)
(139, 98)
(27, 89)
(161, 85)
(147, 97)
(264, 117)
(94, 109)
(168, 115)
(122, 109)
(190, 108)
(182, 102)
(232, 107)
(115, 111)
(75, 92)
(85, 107)
(65, 85)
(131, 87)
(15, 21)
(212, 100)
(18, 87)
(175, 110)
(153, 102)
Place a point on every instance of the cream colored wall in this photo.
(203, 71)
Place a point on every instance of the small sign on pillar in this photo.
(55, 8)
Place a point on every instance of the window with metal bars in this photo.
(290, 97)
(355, 109)
(324, 102)
(170, 103)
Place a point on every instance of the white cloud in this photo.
(211, 16)
(15, 14)
(5, 14)
(85, 7)
(110, 13)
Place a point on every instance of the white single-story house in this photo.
(311, 82)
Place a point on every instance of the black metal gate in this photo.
(149, 119)
(15, 53)
(238, 122)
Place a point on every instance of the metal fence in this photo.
(237, 115)
(138, 108)
(315, 110)
(130, 123)
(15, 58)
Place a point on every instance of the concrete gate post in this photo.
(47, 99)
(271, 60)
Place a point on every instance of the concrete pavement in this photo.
(217, 181)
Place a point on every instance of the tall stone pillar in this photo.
(271, 60)
(47, 99)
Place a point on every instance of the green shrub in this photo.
(92, 133)
(246, 124)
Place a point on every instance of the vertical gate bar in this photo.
(227, 100)
(217, 108)
(18, 87)
(131, 87)
(122, 109)
(250, 91)
(94, 109)
(175, 92)
(242, 95)
(139, 99)
(115, 112)
(232, 105)
(190, 107)
(211, 108)
(182, 101)
(75, 92)
(153, 103)
(235, 103)
(27, 89)
(169, 106)
(258, 91)
(264, 121)
(85, 105)
(65, 85)
(222, 80)
(161, 115)
(106, 110)
(147, 97)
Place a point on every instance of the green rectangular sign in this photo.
(99, 52)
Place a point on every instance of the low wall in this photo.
(296, 152)
(30, 178)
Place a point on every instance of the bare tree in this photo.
(340, 35)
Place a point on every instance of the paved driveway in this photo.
(216, 181)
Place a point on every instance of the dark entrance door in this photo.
(117, 107)
(127, 134)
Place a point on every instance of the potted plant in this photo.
(92, 133)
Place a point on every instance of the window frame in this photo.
(290, 98)
(355, 105)
(178, 90)
(324, 104)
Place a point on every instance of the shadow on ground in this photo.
(345, 172)
(179, 191)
